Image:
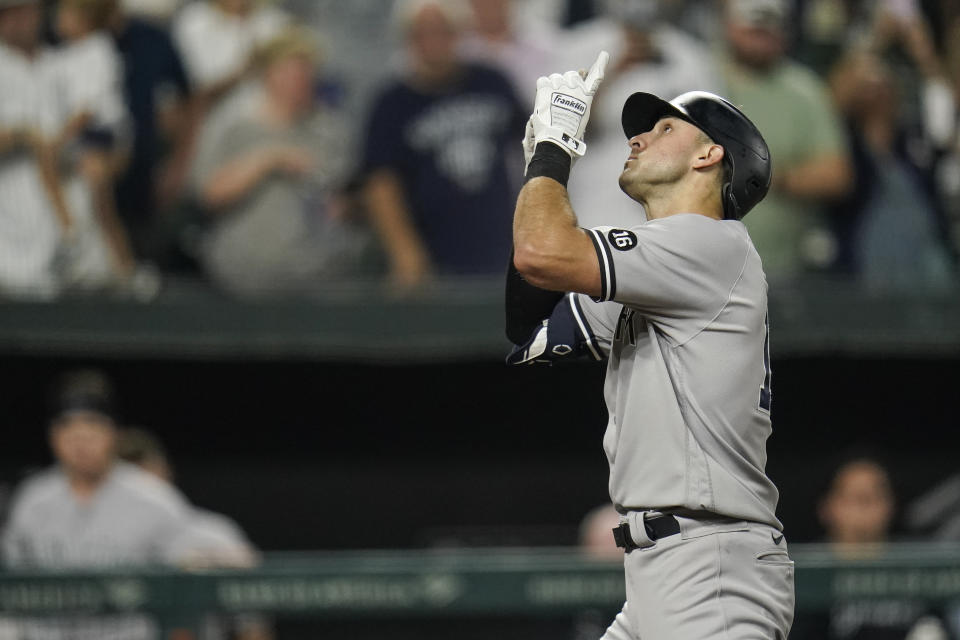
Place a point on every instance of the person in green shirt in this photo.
(791, 107)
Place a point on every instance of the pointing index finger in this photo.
(595, 75)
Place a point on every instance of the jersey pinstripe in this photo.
(29, 233)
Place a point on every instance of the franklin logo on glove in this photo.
(562, 109)
(570, 103)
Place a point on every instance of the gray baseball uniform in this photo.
(133, 519)
(682, 315)
(688, 383)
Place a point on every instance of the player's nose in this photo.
(637, 143)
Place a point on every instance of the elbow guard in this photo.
(563, 336)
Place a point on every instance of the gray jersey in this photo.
(688, 379)
(133, 519)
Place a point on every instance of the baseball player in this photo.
(90, 510)
(679, 305)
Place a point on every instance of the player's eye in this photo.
(667, 127)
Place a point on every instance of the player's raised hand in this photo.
(529, 143)
(562, 106)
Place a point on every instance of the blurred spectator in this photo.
(523, 53)
(271, 181)
(898, 31)
(856, 512)
(858, 507)
(700, 18)
(358, 55)
(791, 106)
(159, 12)
(596, 542)
(554, 14)
(596, 533)
(892, 234)
(211, 540)
(93, 140)
(827, 29)
(158, 100)
(441, 154)
(90, 510)
(33, 213)
(646, 54)
(948, 169)
(217, 39)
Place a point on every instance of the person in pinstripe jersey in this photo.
(33, 215)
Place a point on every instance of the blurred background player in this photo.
(91, 510)
(211, 540)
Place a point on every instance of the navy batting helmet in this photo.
(746, 155)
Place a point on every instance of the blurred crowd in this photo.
(275, 147)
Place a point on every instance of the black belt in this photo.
(659, 527)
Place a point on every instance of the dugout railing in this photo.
(528, 583)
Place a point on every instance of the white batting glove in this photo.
(562, 107)
(529, 143)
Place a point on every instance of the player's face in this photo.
(83, 442)
(661, 156)
(859, 506)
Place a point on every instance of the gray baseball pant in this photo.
(718, 579)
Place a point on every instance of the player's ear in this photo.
(708, 155)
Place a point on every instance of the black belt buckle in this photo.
(656, 528)
(622, 537)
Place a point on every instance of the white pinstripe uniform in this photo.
(89, 79)
(29, 232)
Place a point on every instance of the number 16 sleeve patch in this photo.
(608, 278)
(621, 239)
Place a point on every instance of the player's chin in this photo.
(630, 185)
